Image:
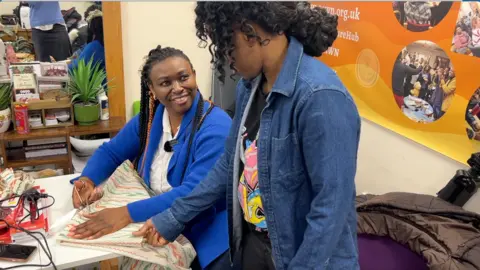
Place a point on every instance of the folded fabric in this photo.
(14, 183)
(123, 187)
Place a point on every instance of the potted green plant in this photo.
(87, 80)
(5, 112)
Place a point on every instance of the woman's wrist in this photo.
(126, 213)
(87, 181)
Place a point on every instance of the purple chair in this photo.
(381, 252)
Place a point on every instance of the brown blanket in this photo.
(447, 236)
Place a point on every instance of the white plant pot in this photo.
(5, 119)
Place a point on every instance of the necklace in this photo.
(174, 130)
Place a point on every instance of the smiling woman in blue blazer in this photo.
(174, 142)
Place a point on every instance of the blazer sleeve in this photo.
(113, 153)
(92, 49)
(209, 146)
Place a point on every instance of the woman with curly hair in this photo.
(290, 160)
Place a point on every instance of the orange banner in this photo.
(414, 68)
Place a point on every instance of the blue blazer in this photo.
(209, 232)
(93, 49)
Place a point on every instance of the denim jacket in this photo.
(307, 155)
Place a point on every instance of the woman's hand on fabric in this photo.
(152, 237)
(84, 193)
(102, 223)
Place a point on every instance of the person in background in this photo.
(289, 164)
(475, 41)
(448, 85)
(400, 72)
(436, 99)
(171, 162)
(424, 80)
(17, 12)
(475, 7)
(77, 28)
(79, 42)
(95, 47)
(96, 6)
(49, 33)
(418, 16)
(461, 41)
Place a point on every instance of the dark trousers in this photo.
(54, 42)
(220, 263)
(257, 251)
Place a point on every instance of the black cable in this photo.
(31, 195)
(46, 250)
(38, 210)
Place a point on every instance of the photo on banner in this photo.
(418, 16)
(423, 81)
(373, 53)
(466, 37)
(472, 117)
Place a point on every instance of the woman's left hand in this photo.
(150, 234)
(102, 223)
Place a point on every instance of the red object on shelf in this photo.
(21, 118)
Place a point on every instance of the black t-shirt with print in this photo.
(252, 123)
(249, 193)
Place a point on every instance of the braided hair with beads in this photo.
(148, 103)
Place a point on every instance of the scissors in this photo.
(83, 204)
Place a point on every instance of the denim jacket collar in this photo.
(287, 78)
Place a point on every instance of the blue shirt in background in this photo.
(93, 49)
(45, 13)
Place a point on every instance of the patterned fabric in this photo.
(418, 13)
(123, 187)
(14, 183)
(248, 189)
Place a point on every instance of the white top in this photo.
(158, 172)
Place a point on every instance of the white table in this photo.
(64, 257)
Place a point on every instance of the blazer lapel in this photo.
(156, 132)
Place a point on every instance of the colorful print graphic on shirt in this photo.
(248, 189)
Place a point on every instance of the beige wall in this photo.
(148, 24)
(388, 162)
(80, 6)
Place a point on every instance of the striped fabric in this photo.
(14, 183)
(123, 187)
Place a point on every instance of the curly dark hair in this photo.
(95, 30)
(312, 26)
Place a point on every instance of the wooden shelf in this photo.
(111, 126)
(46, 104)
(34, 134)
(58, 159)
